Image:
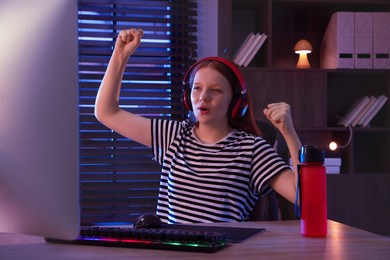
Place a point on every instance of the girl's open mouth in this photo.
(203, 109)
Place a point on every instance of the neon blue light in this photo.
(155, 41)
(147, 81)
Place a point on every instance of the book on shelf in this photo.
(353, 111)
(332, 169)
(332, 161)
(362, 111)
(332, 164)
(256, 48)
(249, 48)
(243, 48)
(360, 115)
(328, 161)
(374, 109)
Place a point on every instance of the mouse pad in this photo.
(236, 235)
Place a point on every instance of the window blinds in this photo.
(118, 179)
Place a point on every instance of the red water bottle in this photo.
(311, 192)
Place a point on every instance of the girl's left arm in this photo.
(280, 116)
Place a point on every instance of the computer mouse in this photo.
(147, 220)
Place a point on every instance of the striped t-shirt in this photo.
(210, 182)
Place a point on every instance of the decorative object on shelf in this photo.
(337, 46)
(363, 40)
(303, 47)
(381, 39)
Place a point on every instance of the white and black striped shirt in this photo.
(210, 182)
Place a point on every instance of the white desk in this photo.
(281, 240)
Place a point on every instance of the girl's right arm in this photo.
(107, 109)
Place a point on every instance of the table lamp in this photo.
(303, 47)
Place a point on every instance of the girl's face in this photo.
(211, 95)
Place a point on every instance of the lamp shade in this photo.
(303, 45)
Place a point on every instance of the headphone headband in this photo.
(224, 61)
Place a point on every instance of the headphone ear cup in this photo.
(238, 107)
(187, 99)
(235, 108)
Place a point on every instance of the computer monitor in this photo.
(39, 160)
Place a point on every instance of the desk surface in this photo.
(281, 240)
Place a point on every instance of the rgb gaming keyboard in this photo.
(153, 238)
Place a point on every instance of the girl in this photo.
(213, 170)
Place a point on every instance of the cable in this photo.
(333, 145)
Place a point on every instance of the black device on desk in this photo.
(147, 220)
(165, 237)
(148, 232)
(169, 236)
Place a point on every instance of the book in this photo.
(250, 48)
(364, 110)
(380, 101)
(256, 49)
(244, 46)
(328, 161)
(353, 111)
(332, 169)
(332, 161)
(332, 165)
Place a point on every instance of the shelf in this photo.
(317, 96)
(345, 88)
(287, 21)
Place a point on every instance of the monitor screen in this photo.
(39, 160)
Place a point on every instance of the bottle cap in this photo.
(309, 153)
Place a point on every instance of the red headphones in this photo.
(239, 104)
